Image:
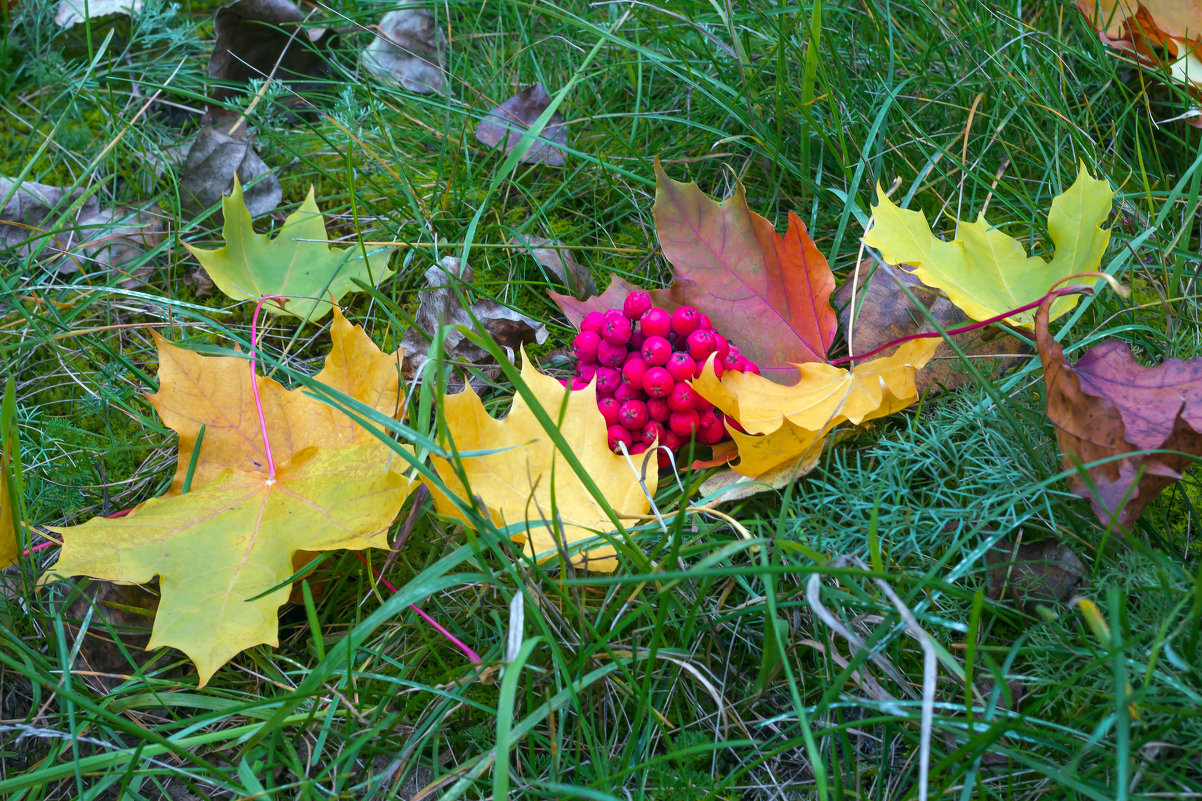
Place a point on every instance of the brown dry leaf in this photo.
(560, 262)
(884, 314)
(1033, 573)
(506, 123)
(213, 160)
(439, 305)
(527, 482)
(73, 12)
(1165, 34)
(409, 49)
(1109, 405)
(257, 38)
(121, 615)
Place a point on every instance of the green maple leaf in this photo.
(297, 265)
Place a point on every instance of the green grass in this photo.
(711, 674)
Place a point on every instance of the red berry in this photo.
(578, 384)
(707, 419)
(702, 405)
(750, 366)
(609, 410)
(639, 447)
(653, 432)
(672, 441)
(634, 370)
(608, 380)
(611, 355)
(592, 322)
(711, 435)
(712, 361)
(721, 346)
(616, 327)
(683, 398)
(704, 322)
(586, 343)
(681, 366)
(633, 415)
(586, 371)
(683, 424)
(700, 344)
(618, 434)
(663, 458)
(626, 392)
(637, 339)
(656, 323)
(656, 351)
(734, 361)
(658, 383)
(659, 409)
(636, 305)
(685, 320)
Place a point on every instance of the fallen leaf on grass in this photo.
(986, 273)
(768, 292)
(439, 306)
(73, 12)
(215, 391)
(527, 482)
(883, 313)
(297, 265)
(1164, 34)
(235, 535)
(409, 49)
(1034, 573)
(219, 549)
(561, 263)
(10, 547)
(258, 38)
(785, 425)
(1109, 405)
(214, 161)
(505, 124)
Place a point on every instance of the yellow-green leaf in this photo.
(296, 265)
(527, 481)
(987, 273)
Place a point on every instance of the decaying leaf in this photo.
(527, 483)
(234, 535)
(884, 313)
(576, 308)
(409, 49)
(118, 620)
(73, 12)
(297, 265)
(1033, 573)
(36, 220)
(439, 305)
(258, 38)
(505, 124)
(209, 170)
(1109, 405)
(560, 263)
(1164, 34)
(215, 391)
(986, 273)
(768, 293)
(218, 547)
(785, 425)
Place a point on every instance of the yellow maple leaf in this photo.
(527, 482)
(218, 550)
(215, 391)
(786, 425)
(987, 273)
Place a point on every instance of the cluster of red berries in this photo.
(643, 359)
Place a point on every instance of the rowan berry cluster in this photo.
(643, 359)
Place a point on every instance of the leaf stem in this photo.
(254, 383)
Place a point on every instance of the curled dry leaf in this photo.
(884, 313)
(439, 308)
(1033, 573)
(218, 549)
(1108, 405)
(505, 124)
(561, 263)
(73, 12)
(258, 38)
(1164, 34)
(297, 268)
(527, 483)
(409, 49)
(986, 273)
(214, 160)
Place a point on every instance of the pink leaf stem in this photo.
(254, 383)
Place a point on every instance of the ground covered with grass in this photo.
(770, 653)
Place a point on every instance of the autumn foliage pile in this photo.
(268, 475)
